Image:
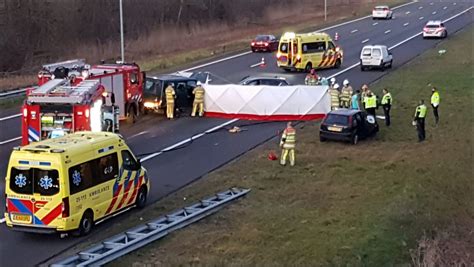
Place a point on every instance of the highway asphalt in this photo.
(173, 170)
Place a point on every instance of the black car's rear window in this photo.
(432, 26)
(337, 119)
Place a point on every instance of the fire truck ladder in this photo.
(137, 237)
(59, 91)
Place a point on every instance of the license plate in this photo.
(334, 129)
(21, 218)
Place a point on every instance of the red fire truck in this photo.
(124, 80)
(58, 107)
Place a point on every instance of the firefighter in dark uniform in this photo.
(419, 120)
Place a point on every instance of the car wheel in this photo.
(86, 223)
(445, 34)
(337, 65)
(362, 68)
(140, 201)
(390, 65)
(308, 67)
(322, 139)
(253, 50)
(355, 139)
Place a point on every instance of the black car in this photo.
(347, 125)
(154, 91)
(266, 43)
(276, 81)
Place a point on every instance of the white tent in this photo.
(299, 102)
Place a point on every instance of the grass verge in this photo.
(368, 204)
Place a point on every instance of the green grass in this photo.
(364, 205)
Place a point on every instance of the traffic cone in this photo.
(336, 37)
(262, 63)
(272, 156)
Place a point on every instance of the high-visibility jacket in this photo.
(420, 111)
(198, 94)
(170, 94)
(386, 99)
(371, 102)
(288, 138)
(346, 93)
(310, 79)
(334, 93)
(435, 99)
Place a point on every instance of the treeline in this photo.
(36, 31)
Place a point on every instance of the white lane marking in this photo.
(192, 138)
(334, 75)
(408, 12)
(406, 24)
(420, 7)
(249, 52)
(375, 23)
(9, 140)
(420, 18)
(354, 31)
(454, 3)
(434, 13)
(365, 41)
(388, 31)
(431, 3)
(138, 134)
(10, 117)
(445, 7)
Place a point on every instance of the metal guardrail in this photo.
(122, 244)
(15, 92)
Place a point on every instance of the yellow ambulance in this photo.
(308, 51)
(71, 182)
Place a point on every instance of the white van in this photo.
(375, 56)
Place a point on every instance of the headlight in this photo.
(151, 104)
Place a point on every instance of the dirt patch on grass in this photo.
(368, 204)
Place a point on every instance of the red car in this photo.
(266, 43)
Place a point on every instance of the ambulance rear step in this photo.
(122, 244)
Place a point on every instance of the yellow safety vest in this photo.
(435, 98)
(169, 92)
(334, 93)
(371, 102)
(288, 139)
(198, 94)
(385, 99)
(421, 111)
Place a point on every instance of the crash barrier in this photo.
(137, 237)
(298, 102)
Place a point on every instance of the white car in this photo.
(375, 56)
(382, 12)
(435, 28)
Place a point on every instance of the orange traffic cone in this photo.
(336, 37)
(272, 156)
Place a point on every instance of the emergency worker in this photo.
(346, 94)
(355, 100)
(198, 102)
(324, 81)
(364, 94)
(287, 144)
(371, 103)
(419, 120)
(334, 93)
(386, 105)
(170, 96)
(311, 78)
(332, 82)
(435, 103)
